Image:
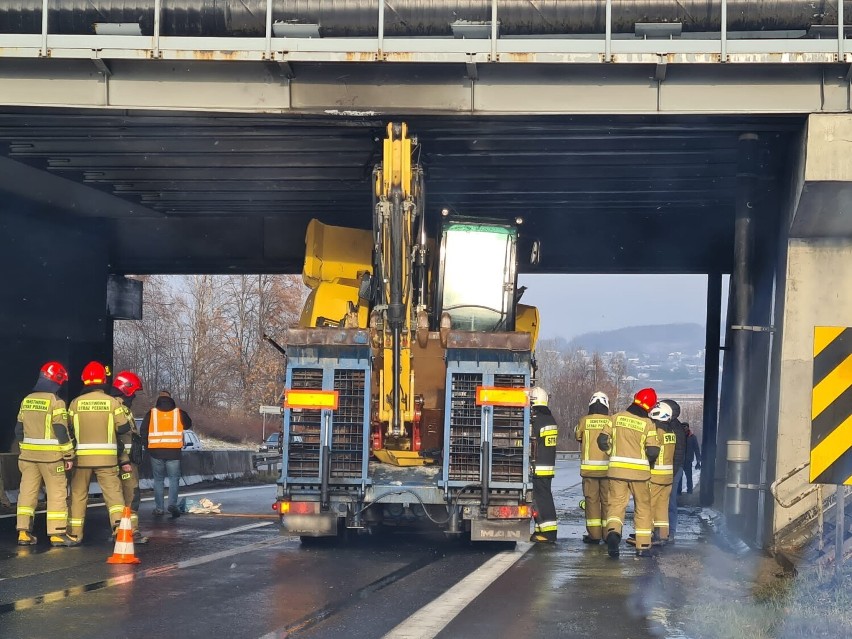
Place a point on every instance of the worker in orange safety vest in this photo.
(162, 435)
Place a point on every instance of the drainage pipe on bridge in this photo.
(738, 445)
(410, 18)
(712, 338)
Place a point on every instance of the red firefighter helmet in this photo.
(646, 398)
(94, 374)
(127, 382)
(55, 372)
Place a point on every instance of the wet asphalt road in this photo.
(235, 576)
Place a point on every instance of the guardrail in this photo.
(196, 466)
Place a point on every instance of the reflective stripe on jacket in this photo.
(593, 461)
(96, 418)
(629, 436)
(165, 429)
(545, 431)
(41, 443)
(663, 471)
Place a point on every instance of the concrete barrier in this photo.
(196, 466)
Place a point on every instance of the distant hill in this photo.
(655, 340)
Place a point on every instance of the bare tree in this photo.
(201, 336)
(571, 377)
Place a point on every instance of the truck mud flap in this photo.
(508, 530)
(310, 525)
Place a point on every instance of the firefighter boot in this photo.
(26, 538)
(613, 540)
(589, 540)
(63, 541)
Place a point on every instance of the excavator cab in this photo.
(477, 275)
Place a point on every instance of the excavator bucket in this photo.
(401, 457)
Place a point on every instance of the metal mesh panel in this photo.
(465, 428)
(507, 444)
(304, 446)
(347, 434)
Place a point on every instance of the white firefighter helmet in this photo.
(538, 396)
(601, 398)
(662, 412)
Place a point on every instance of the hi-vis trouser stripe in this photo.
(831, 406)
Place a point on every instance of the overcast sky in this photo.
(574, 304)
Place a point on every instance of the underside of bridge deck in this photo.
(181, 192)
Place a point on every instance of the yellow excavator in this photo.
(406, 391)
(384, 280)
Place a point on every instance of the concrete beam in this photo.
(382, 88)
(825, 202)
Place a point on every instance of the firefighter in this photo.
(99, 422)
(662, 472)
(631, 442)
(47, 452)
(545, 431)
(125, 385)
(677, 427)
(593, 465)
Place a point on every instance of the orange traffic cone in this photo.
(123, 553)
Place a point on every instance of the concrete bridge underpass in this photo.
(626, 147)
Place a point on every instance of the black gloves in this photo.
(603, 442)
(653, 452)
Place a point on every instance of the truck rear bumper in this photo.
(323, 525)
(499, 530)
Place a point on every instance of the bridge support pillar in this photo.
(53, 298)
(813, 287)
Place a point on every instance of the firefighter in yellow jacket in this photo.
(99, 422)
(46, 453)
(125, 385)
(593, 465)
(545, 432)
(631, 442)
(662, 473)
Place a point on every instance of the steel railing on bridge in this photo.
(470, 31)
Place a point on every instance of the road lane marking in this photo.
(427, 622)
(58, 595)
(353, 598)
(231, 531)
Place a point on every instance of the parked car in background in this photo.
(272, 444)
(190, 439)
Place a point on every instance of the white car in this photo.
(191, 441)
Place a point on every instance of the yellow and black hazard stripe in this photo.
(831, 406)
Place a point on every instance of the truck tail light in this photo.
(298, 507)
(509, 512)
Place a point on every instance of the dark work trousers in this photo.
(687, 473)
(545, 519)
